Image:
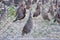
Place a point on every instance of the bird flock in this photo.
(23, 5)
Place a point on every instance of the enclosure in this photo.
(42, 29)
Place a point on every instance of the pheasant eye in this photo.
(59, 6)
